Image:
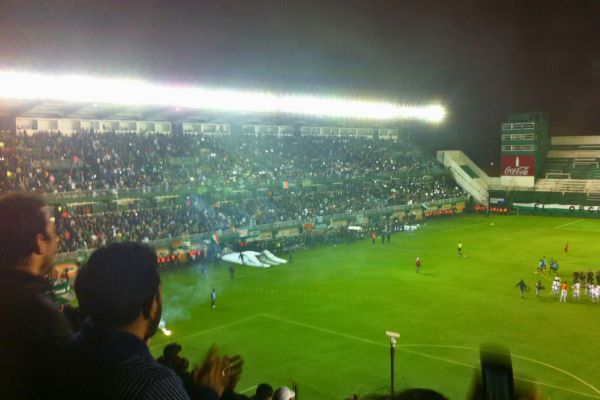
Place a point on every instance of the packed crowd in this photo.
(357, 174)
(86, 161)
(204, 214)
(50, 162)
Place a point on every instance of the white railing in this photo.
(476, 187)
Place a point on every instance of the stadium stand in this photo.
(573, 158)
(155, 179)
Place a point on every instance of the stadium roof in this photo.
(64, 110)
(95, 111)
(83, 97)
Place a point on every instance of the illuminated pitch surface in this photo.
(321, 321)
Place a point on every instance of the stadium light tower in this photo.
(393, 336)
(134, 92)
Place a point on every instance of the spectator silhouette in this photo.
(119, 288)
(33, 332)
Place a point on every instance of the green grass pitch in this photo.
(321, 321)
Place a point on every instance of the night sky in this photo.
(482, 59)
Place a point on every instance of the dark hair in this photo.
(22, 218)
(171, 351)
(263, 391)
(118, 282)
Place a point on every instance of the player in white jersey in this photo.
(589, 289)
(595, 293)
(577, 291)
(556, 286)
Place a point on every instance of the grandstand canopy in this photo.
(63, 109)
(84, 97)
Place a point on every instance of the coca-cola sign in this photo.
(516, 171)
(518, 165)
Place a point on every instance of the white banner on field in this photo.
(563, 207)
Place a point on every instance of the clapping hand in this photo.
(218, 372)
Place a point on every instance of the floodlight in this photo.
(121, 91)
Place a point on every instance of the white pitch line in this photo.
(514, 356)
(458, 227)
(318, 328)
(248, 389)
(557, 369)
(239, 321)
(567, 224)
(556, 387)
(532, 360)
(401, 347)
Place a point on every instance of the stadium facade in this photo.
(540, 174)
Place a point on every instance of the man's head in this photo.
(120, 286)
(27, 235)
(264, 391)
(171, 351)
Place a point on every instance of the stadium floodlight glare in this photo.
(133, 92)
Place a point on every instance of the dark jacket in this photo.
(112, 364)
(33, 335)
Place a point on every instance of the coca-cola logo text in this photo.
(517, 171)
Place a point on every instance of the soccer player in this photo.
(566, 249)
(460, 248)
(577, 291)
(522, 287)
(564, 288)
(213, 299)
(538, 288)
(418, 264)
(554, 266)
(543, 263)
(588, 289)
(595, 293)
(556, 286)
